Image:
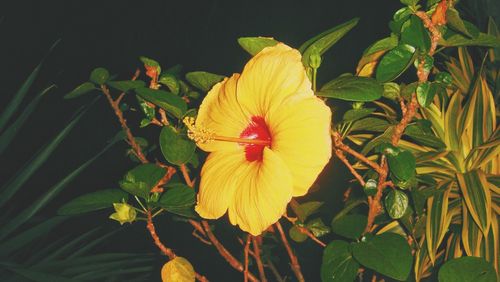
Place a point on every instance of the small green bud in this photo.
(315, 60)
(124, 213)
(358, 105)
(370, 187)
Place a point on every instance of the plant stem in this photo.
(294, 262)
(260, 266)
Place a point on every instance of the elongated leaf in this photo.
(28, 236)
(322, 42)
(80, 90)
(8, 135)
(387, 253)
(27, 213)
(254, 45)
(338, 264)
(437, 221)
(13, 185)
(165, 100)
(477, 196)
(484, 40)
(352, 88)
(14, 104)
(93, 201)
(37, 276)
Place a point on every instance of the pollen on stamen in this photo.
(198, 134)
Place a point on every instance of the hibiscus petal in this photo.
(262, 196)
(271, 77)
(301, 137)
(220, 177)
(221, 113)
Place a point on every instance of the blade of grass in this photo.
(9, 189)
(14, 104)
(26, 237)
(27, 213)
(8, 135)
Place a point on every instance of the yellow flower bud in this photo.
(124, 213)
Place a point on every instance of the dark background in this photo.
(200, 35)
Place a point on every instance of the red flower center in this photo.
(256, 130)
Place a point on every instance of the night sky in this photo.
(200, 35)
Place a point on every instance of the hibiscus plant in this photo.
(415, 127)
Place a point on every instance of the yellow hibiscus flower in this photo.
(268, 136)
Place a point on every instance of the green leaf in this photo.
(356, 114)
(467, 269)
(322, 42)
(178, 269)
(171, 82)
(402, 164)
(126, 85)
(352, 88)
(176, 149)
(8, 135)
(99, 76)
(396, 203)
(140, 180)
(391, 90)
(338, 264)
(254, 45)
(304, 210)
(381, 45)
(93, 201)
(424, 94)
(150, 63)
(482, 39)
(477, 196)
(409, 2)
(454, 21)
(394, 63)
(399, 18)
(179, 200)
(317, 227)
(415, 34)
(170, 102)
(370, 187)
(387, 253)
(370, 124)
(83, 88)
(350, 226)
(420, 135)
(203, 80)
(296, 235)
(15, 183)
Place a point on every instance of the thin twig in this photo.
(130, 138)
(341, 157)
(274, 270)
(186, 176)
(337, 139)
(224, 252)
(245, 254)
(166, 251)
(294, 262)
(260, 266)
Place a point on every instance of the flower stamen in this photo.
(204, 135)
